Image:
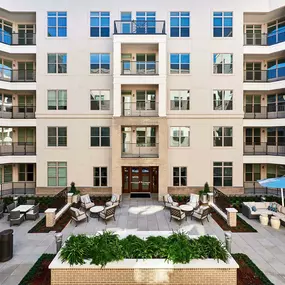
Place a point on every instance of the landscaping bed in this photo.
(242, 226)
(39, 274)
(248, 273)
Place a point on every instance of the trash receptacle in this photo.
(6, 245)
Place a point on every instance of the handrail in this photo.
(17, 148)
(140, 109)
(17, 75)
(135, 150)
(139, 67)
(17, 188)
(7, 111)
(264, 148)
(271, 111)
(264, 39)
(17, 38)
(269, 75)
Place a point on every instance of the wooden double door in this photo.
(140, 179)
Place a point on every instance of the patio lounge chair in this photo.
(33, 214)
(115, 201)
(108, 213)
(168, 201)
(201, 213)
(1, 210)
(194, 201)
(177, 214)
(86, 202)
(78, 216)
(16, 218)
(31, 202)
(10, 207)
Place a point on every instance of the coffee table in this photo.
(187, 209)
(23, 209)
(95, 211)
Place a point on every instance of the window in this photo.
(99, 24)
(179, 63)
(252, 172)
(57, 136)
(179, 176)
(223, 63)
(253, 104)
(57, 24)
(276, 31)
(276, 136)
(26, 172)
(100, 63)
(6, 102)
(179, 136)
(223, 100)
(57, 63)
(274, 170)
(57, 99)
(223, 24)
(126, 18)
(145, 100)
(179, 24)
(253, 71)
(276, 103)
(100, 136)
(100, 99)
(26, 136)
(57, 173)
(146, 136)
(252, 136)
(8, 173)
(275, 68)
(223, 174)
(253, 35)
(146, 23)
(100, 176)
(223, 136)
(6, 29)
(179, 99)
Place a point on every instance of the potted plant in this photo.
(75, 192)
(203, 193)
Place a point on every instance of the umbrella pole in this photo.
(282, 197)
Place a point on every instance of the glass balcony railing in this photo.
(273, 74)
(139, 67)
(25, 39)
(21, 75)
(134, 150)
(272, 111)
(264, 148)
(263, 39)
(17, 112)
(140, 109)
(17, 148)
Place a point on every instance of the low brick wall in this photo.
(48, 191)
(190, 276)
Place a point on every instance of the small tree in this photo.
(206, 188)
(73, 189)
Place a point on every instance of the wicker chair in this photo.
(34, 213)
(194, 201)
(31, 202)
(177, 214)
(86, 202)
(201, 213)
(78, 216)
(10, 207)
(168, 201)
(108, 213)
(16, 218)
(115, 201)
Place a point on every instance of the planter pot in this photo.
(204, 199)
(75, 198)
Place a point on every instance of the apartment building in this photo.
(124, 97)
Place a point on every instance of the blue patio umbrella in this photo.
(278, 182)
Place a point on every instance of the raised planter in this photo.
(148, 271)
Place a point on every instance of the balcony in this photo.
(270, 75)
(17, 188)
(17, 148)
(17, 112)
(264, 112)
(13, 75)
(255, 189)
(139, 67)
(134, 150)
(140, 109)
(263, 39)
(151, 27)
(264, 148)
(18, 39)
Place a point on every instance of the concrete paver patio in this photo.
(266, 248)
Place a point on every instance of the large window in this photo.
(276, 32)
(276, 136)
(146, 136)
(179, 63)
(8, 173)
(57, 63)
(26, 172)
(223, 136)
(145, 100)
(179, 136)
(252, 172)
(145, 22)
(222, 24)
(253, 104)
(223, 174)
(99, 24)
(179, 24)
(223, 63)
(179, 176)
(100, 99)
(57, 174)
(276, 68)
(276, 103)
(57, 99)
(179, 99)
(57, 24)
(6, 102)
(6, 29)
(100, 63)
(100, 136)
(223, 100)
(252, 136)
(26, 136)
(100, 177)
(274, 170)
(57, 136)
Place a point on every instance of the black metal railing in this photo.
(17, 148)
(254, 188)
(60, 199)
(179, 105)
(17, 112)
(17, 188)
(14, 75)
(148, 27)
(256, 111)
(25, 39)
(264, 148)
(139, 67)
(269, 75)
(221, 200)
(264, 39)
(134, 150)
(140, 109)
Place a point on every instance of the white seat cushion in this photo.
(114, 198)
(108, 204)
(81, 217)
(170, 200)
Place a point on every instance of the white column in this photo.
(162, 97)
(116, 58)
(162, 59)
(117, 100)
(162, 70)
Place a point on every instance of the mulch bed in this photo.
(39, 274)
(249, 273)
(242, 226)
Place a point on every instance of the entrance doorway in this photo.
(140, 179)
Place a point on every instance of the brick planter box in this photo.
(149, 271)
